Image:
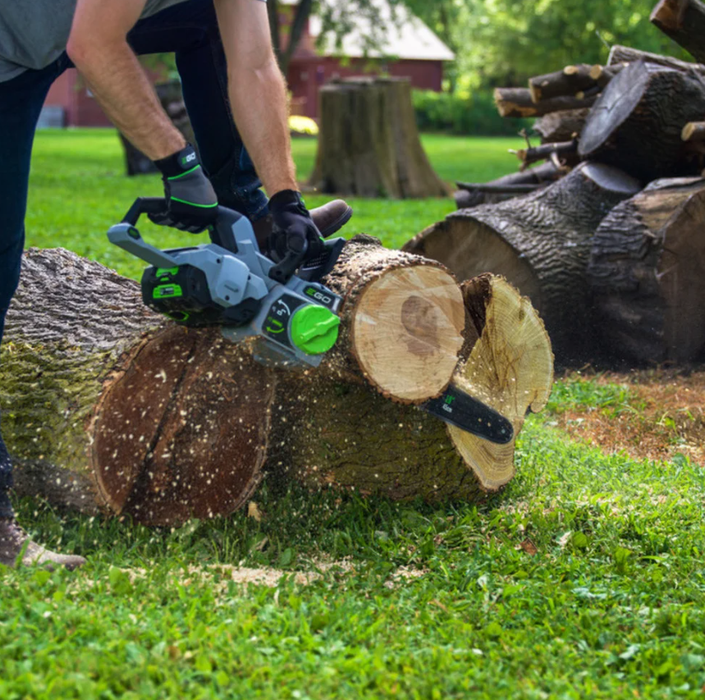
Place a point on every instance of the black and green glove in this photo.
(294, 238)
(192, 204)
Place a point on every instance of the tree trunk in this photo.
(623, 54)
(637, 122)
(517, 102)
(540, 243)
(172, 100)
(645, 271)
(339, 434)
(369, 145)
(684, 22)
(561, 126)
(568, 82)
(106, 406)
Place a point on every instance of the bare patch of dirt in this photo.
(664, 415)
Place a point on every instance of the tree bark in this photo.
(624, 54)
(369, 144)
(568, 82)
(561, 126)
(637, 122)
(540, 243)
(684, 22)
(517, 102)
(646, 274)
(339, 434)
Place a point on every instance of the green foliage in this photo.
(455, 114)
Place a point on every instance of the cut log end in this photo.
(191, 411)
(510, 368)
(407, 330)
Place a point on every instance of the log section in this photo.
(540, 243)
(106, 407)
(637, 121)
(340, 434)
(646, 274)
(517, 102)
(561, 126)
(624, 54)
(684, 22)
(568, 82)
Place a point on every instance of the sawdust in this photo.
(664, 416)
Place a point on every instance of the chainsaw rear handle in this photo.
(221, 234)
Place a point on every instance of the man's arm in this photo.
(99, 49)
(257, 91)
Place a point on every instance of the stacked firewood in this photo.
(607, 234)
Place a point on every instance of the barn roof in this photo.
(406, 37)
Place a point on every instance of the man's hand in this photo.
(295, 238)
(191, 201)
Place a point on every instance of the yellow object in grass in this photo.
(303, 125)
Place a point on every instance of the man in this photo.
(40, 39)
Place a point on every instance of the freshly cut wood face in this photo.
(407, 331)
(510, 368)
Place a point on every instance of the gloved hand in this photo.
(294, 238)
(192, 204)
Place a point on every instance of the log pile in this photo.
(604, 233)
(108, 407)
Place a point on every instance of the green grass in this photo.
(584, 579)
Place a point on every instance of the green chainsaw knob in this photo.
(314, 329)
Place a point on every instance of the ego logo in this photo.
(319, 296)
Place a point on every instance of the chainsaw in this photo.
(293, 322)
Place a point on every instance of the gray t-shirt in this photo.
(33, 33)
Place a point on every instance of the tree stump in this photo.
(646, 274)
(637, 121)
(540, 243)
(109, 407)
(369, 144)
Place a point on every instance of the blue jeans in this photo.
(190, 30)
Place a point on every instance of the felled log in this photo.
(564, 151)
(646, 274)
(637, 121)
(517, 102)
(568, 82)
(369, 144)
(694, 135)
(561, 126)
(540, 243)
(684, 22)
(471, 194)
(624, 54)
(340, 435)
(106, 406)
(602, 75)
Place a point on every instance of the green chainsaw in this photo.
(294, 321)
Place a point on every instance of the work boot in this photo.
(329, 218)
(14, 542)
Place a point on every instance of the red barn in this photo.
(409, 49)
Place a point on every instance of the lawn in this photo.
(583, 579)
